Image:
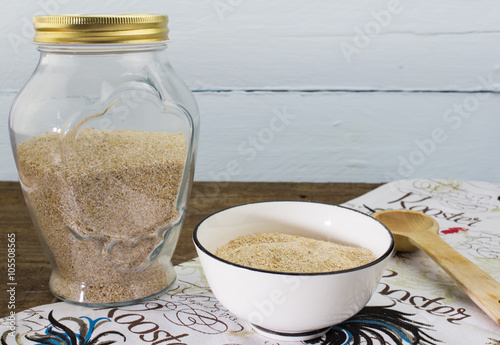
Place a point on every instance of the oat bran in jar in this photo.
(104, 135)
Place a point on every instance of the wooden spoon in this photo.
(414, 230)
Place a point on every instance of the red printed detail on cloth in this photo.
(453, 230)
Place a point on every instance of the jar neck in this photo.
(84, 62)
(115, 48)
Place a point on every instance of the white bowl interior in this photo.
(315, 220)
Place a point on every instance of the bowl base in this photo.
(286, 336)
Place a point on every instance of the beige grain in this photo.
(293, 254)
(102, 203)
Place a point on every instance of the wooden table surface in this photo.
(32, 266)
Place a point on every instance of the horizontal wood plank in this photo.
(399, 61)
(300, 44)
(340, 137)
(337, 136)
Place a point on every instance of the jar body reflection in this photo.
(105, 141)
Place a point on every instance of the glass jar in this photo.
(104, 135)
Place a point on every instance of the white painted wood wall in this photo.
(315, 90)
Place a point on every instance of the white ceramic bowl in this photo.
(292, 306)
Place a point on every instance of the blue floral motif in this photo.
(374, 325)
(59, 333)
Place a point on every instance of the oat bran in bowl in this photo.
(292, 306)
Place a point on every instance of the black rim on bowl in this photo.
(382, 257)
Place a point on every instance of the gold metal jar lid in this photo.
(100, 29)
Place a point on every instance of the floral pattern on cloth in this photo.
(415, 302)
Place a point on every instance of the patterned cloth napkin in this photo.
(415, 303)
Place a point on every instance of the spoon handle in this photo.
(479, 286)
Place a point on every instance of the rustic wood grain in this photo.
(33, 268)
